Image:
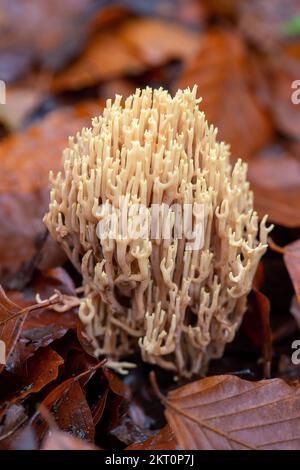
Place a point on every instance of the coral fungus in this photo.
(177, 302)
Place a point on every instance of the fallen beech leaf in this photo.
(156, 41)
(108, 16)
(275, 181)
(10, 324)
(46, 36)
(107, 56)
(280, 206)
(42, 326)
(71, 412)
(292, 261)
(12, 319)
(226, 412)
(115, 383)
(25, 160)
(275, 172)
(222, 72)
(40, 370)
(164, 439)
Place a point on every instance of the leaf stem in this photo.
(47, 303)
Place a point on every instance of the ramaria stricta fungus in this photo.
(176, 303)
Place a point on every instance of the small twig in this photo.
(62, 302)
(25, 310)
(91, 369)
(184, 413)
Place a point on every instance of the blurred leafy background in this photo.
(60, 61)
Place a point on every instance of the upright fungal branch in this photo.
(178, 302)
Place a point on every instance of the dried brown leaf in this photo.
(73, 414)
(25, 160)
(45, 325)
(115, 383)
(106, 56)
(40, 32)
(275, 180)
(40, 370)
(11, 324)
(68, 404)
(226, 412)
(222, 72)
(156, 41)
